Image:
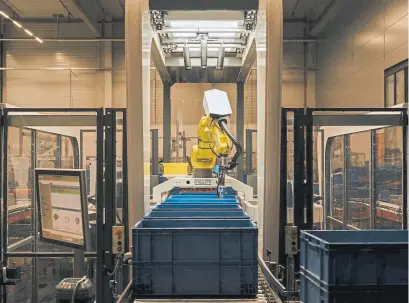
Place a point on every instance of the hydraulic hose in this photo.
(239, 150)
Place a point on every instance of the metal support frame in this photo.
(240, 127)
(34, 222)
(167, 116)
(100, 198)
(283, 187)
(110, 198)
(372, 180)
(249, 150)
(155, 151)
(404, 170)
(103, 228)
(2, 62)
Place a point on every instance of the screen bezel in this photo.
(80, 173)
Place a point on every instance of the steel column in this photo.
(309, 154)
(34, 219)
(249, 151)
(155, 151)
(135, 107)
(110, 196)
(372, 180)
(4, 232)
(100, 296)
(274, 46)
(283, 188)
(240, 127)
(167, 115)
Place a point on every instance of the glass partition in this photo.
(389, 178)
(335, 217)
(360, 167)
(358, 197)
(40, 140)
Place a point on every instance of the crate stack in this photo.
(354, 266)
(195, 246)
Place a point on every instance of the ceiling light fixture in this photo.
(203, 52)
(220, 59)
(4, 15)
(186, 56)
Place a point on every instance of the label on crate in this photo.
(203, 182)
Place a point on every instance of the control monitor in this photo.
(62, 205)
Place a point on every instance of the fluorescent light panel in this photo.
(21, 26)
(203, 24)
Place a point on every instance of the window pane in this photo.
(390, 91)
(388, 178)
(67, 153)
(400, 87)
(358, 185)
(336, 215)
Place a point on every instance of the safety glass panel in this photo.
(41, 140)
(358, 198)
(388, 177)
(360, 167)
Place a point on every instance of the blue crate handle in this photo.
(314, 248)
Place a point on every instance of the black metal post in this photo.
(155, 151)
(5, 190)
(34, 219)
(345, 179)
(167, 110)
(373, 189)
(309, 169)
(240, 127)
(404, 169)
(2, 63)
(2, 255)
(299, 153)
(100, 272)
(110, 195)
(125, 217)
(283, 188)
(249, 151)
(4, 232)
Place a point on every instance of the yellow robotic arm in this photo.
(215, 141)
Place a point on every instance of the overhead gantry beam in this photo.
(248, 62)
(74, 7)
(326, 17)
(158, 59)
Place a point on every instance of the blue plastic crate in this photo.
(200, 200)
(195, 206)
(198, 214)
(314, 291)
(195, 258)
(340, 259)
(198, 196)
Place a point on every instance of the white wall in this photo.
(364, 39)
(29, 82)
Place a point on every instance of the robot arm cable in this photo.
(239, 150)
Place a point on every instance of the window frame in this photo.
(393, 71)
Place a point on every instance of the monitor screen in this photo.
(63, 207)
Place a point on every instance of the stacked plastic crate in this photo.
(195, 246)
(354, 266)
